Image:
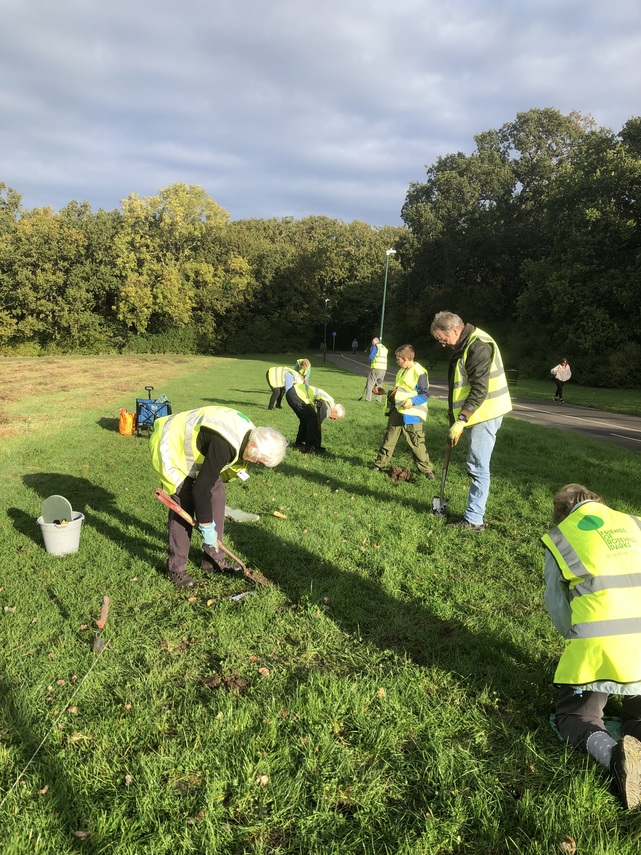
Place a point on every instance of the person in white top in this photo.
(560, 374)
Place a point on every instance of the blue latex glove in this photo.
(210, 537)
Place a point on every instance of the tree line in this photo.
(534, 236)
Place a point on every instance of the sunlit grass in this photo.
(390, 693)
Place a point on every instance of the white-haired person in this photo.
(312, 406)
(196, 453)
(377, 369)
(593, 595)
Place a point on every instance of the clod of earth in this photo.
(398, 474)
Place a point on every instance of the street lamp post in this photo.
(325, 333)
(388, 252)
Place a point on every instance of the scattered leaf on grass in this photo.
(213, 601)
(192, 820)
(380, 693)
(9, 608)
(264, 671)
(43, 790)
(279, 515)
(263, 780)
(60, 682)
(567, 846)
(82, 835)
(84, 626)
(79, 737)
(73, 710)
(129, 780)
(253, 658)
(127, 706)
(192, 599)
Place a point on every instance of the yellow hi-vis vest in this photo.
(498, 401)
(276, 376)
(379, 363)
(598, 551)
(174, 451)
(312, 394)
(406, 380)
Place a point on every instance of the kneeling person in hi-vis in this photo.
(593, 595)
(196, 453)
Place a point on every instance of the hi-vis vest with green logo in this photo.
(598, 551)
(311, 394)
(174, 451)
(498, 401)
(276, 376)
(379, 363)
(406, 380)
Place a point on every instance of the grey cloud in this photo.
(286, 108)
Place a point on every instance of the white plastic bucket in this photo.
(62, 539)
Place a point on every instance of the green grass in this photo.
(390, 693)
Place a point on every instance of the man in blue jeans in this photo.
(478, 398)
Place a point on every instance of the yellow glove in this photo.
(407, 404)
(455, 432)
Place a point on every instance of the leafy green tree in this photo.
(160, 254)
(41, 300)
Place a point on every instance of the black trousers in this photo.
(309, 420)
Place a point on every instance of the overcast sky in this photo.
(290, 107)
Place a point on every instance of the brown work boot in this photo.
(429, 475)
(181, 579)
(625, 768)
(225, 565)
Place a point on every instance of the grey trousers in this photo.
(179, 531)
(579, 716)
(374, 378)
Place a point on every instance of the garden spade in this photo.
(439, 503)
(253, 575)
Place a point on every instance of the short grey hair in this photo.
(446, 322)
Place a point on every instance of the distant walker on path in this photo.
(560, 374)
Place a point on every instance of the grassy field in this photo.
(389, 694)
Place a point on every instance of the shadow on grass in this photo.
(101, 511)
(422, 503)
(44, 769)
(362, 608)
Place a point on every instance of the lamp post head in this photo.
(389, 252)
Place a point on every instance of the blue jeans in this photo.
(481, 438)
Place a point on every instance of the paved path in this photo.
(614, 428)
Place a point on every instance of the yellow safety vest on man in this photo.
(406, 380)
(312, 394)
(498, 402)
(379, 363)
(598, 551)
(173, 443)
